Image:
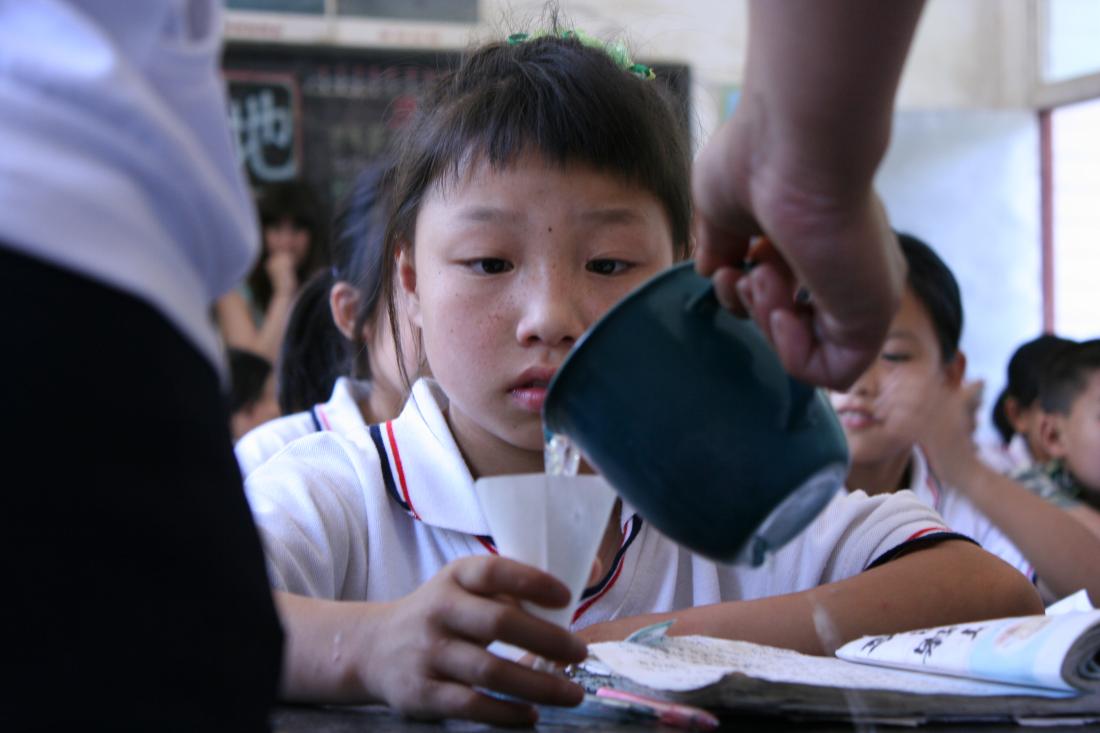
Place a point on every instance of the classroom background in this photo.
(995, 156)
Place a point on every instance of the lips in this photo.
(529, 389)
(852, 418)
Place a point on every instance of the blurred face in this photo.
(887, 409)
(285, 236)
(1079, 435)
(509, 269)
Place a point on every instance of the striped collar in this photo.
(341, 412)
(422, 467)
(424, 471)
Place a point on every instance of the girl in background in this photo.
(254, 317)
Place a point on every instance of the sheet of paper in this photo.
(554, 523)
(685, 663)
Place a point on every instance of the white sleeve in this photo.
(854, 532)
(310, 506)
(264, 441)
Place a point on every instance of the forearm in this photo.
(947, 583)
(270, 338)
(822, 75)
(325, 647)
(1064, 553)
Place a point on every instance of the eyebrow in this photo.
(902, 334)
(491, 214)
(618, 215)
(494, 214)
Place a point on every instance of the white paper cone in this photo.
(554, 523)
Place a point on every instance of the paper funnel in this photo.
(554, 523)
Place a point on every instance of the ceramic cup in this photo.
(688, 413)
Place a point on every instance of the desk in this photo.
(303, 719)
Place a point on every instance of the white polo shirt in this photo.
(372, 514)
(961, 515)
(341, 413)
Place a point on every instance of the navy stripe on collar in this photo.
(387, 474)
(316, 421)
(635, 528)
(918, 543)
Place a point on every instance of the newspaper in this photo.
(1039, 669)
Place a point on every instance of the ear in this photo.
(406, 275)
(1015, 414)
(1052, 434)
(955, 370)
(343, 301)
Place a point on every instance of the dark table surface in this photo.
(295, 719)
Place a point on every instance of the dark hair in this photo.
(552, 95)
(358, 249)
(247, 374)
(294, 200)
(1027, 364)
(936, 288)
(1066, 374)
(1000, 418)
(314, 353)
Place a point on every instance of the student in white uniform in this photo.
(357, 352)
(537, 185)
(134, 589)
(912, 400)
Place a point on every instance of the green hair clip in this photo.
(617, 51)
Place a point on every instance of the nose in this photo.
(867, 383)
(552, 311)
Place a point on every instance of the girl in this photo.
(538, 184)
(339, 336)
(254, 317)
(909, 410)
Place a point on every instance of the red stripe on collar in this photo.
(923, 532)
(324, 418)
(400, 468)
(618, 569)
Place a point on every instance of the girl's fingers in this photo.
(448, 699)
(493, 575)
(484, 620)
(468, 664)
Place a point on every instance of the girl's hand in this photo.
(427, 655)
(282, 272)
(948, 437)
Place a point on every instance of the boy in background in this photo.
(1069, 396)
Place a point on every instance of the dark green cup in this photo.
(688, 413)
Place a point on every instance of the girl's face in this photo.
(509, 269)
(885, 412)
(286, 236)
(1079, 435)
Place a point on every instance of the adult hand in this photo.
(827, 281)
(427, 656)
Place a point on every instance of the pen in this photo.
(669, 713)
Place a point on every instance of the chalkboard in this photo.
(321, 114)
